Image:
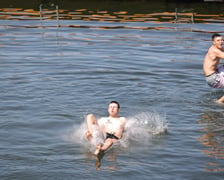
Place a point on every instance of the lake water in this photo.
(51, 78)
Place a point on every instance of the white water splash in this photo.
(139, 128)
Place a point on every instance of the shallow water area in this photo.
(52, 77)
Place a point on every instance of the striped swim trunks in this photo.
(216, 80)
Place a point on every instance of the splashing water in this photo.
(139, 128)
(78, 136)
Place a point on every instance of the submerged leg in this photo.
(98, 150)
(107, 144)
(220, 100)
(99, 157)
(102, 148)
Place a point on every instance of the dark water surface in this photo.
(52, 77)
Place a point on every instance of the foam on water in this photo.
(139, 128)
(144, 125)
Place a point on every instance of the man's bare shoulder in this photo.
(213, 54)
(219, 53)
(123, 119)
(214, 49)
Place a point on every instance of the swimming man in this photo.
(213, 71)
(112, 127)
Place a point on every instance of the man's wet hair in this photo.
(115, 102)
(215, 35)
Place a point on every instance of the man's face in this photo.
(113, 109)
(218, 42)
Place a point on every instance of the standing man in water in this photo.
(112, 127)
(214, 73)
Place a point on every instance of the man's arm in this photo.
(219, 53)
(124, 120)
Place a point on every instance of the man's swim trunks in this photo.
(111, 136)
(216, 80)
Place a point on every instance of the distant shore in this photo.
(114, 10)
(131, 6)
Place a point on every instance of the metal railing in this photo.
(184, 16)
(48, 11)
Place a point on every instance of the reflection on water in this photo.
(110, 160)
(178, 15)
(125, 11)
(213, 139)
